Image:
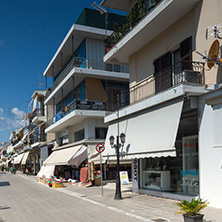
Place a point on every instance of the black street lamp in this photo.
(117, 146)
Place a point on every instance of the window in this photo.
(163, 74)
(101, 133)
(79, 135)
(166, 66)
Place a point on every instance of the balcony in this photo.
(180, 73)
(38, 116)
(83, 63)
(76, 112)
(77, 105)
(144, 26)
(39, 138)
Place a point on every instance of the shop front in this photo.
(162, 143)
(169, 175)
(71, 162)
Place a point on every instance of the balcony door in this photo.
(168, 68)
(163, 72)
(182, 61)
(114, 98)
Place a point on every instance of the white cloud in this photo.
(17, 113)
(1, 113)
(10, 122)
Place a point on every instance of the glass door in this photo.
(190, 172)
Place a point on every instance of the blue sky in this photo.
(30, 33)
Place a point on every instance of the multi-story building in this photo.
(173, 122)
(41, 144)
(30, 144)
(83, 90)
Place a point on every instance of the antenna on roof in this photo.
(214, 31)
(40, 81)
(102, 11)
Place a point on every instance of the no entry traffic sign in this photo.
(100, 148)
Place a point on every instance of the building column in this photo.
(62, 99)
(73, 87)
(53, 106)
(61, 60)
(53, 71)
(72, 46)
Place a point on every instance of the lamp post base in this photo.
(118, 198)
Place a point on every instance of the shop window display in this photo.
(178, 174)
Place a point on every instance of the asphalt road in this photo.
(22, 200)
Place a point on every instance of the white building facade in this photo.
(83, 89)
(173, 122)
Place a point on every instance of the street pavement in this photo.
(22, 198)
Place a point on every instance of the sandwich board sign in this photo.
(124, 177)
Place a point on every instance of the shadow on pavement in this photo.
(6, 183)
(4, 208)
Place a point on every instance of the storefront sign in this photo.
(135, 174)
(124, 177)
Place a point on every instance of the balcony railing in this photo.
(87, 64)
(38, 112)
(77, 105)
(137, 13)
(38, 138)
(182, 72)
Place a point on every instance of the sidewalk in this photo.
(143, 207)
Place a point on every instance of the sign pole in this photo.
(100, 148)
(101, 172)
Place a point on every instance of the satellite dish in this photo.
(212, 57)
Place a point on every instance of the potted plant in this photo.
(191, 209)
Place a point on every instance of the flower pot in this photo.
(197, 218)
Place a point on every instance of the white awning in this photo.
(79, 156)
(46, 171)
(26, 154)
(18, 159)
(150, 133)
(64, 156)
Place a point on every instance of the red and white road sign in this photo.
(100, 147)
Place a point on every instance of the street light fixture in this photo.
(117, 146)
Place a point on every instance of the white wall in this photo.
(205, 13)
(210, 156)
(141, 63)
(88, 125)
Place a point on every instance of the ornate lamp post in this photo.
(117, 146)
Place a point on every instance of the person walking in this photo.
(27, 171)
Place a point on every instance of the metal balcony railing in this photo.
(86, 64)
(38, 138)
(38, 112)
(137, 13)
(182, 72)
(82, 105)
